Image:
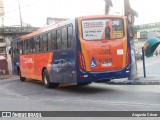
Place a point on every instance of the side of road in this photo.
(150, 80)
(8, 77)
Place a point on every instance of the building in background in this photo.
(146, 31)
(7, 34)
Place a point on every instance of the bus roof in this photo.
(101, 16)
(52, 26)
(41, 30)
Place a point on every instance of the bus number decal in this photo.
(105, 50)
(28, 60)
(106, 62)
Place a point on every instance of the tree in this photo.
(108, 4)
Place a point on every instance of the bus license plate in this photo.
(106, 64)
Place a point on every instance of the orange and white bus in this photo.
(82, 50)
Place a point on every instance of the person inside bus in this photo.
(107, 31)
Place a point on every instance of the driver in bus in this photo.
(107, 31)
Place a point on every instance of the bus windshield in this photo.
(103, 29)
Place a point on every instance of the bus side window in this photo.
(21, 47)
(54, 40)
(32, 46)
(17, 48)
(59, 42)
(45, 43)
(70, 36)
(14, 49)
(64, 38)
(41, 43)
(24, 46)
(37, 44)
(49, 40)
(27, 46)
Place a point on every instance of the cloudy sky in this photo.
(35, 12)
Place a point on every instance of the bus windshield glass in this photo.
(103, 29)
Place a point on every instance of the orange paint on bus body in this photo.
(108, 54)
(32, 65)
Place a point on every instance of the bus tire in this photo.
(46, 80)
(20, 76)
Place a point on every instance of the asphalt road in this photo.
(33, 96)
(29, 95)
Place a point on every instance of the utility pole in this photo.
(108, 4)
(20, 15)
(130, 14)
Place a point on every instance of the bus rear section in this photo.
(104, 52)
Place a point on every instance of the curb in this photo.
(3, 79)
(133, 82)
(139, 81)
(9, 78)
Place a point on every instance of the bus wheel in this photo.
(20, 76)
(46, 80)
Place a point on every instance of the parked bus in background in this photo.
(82, 50)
